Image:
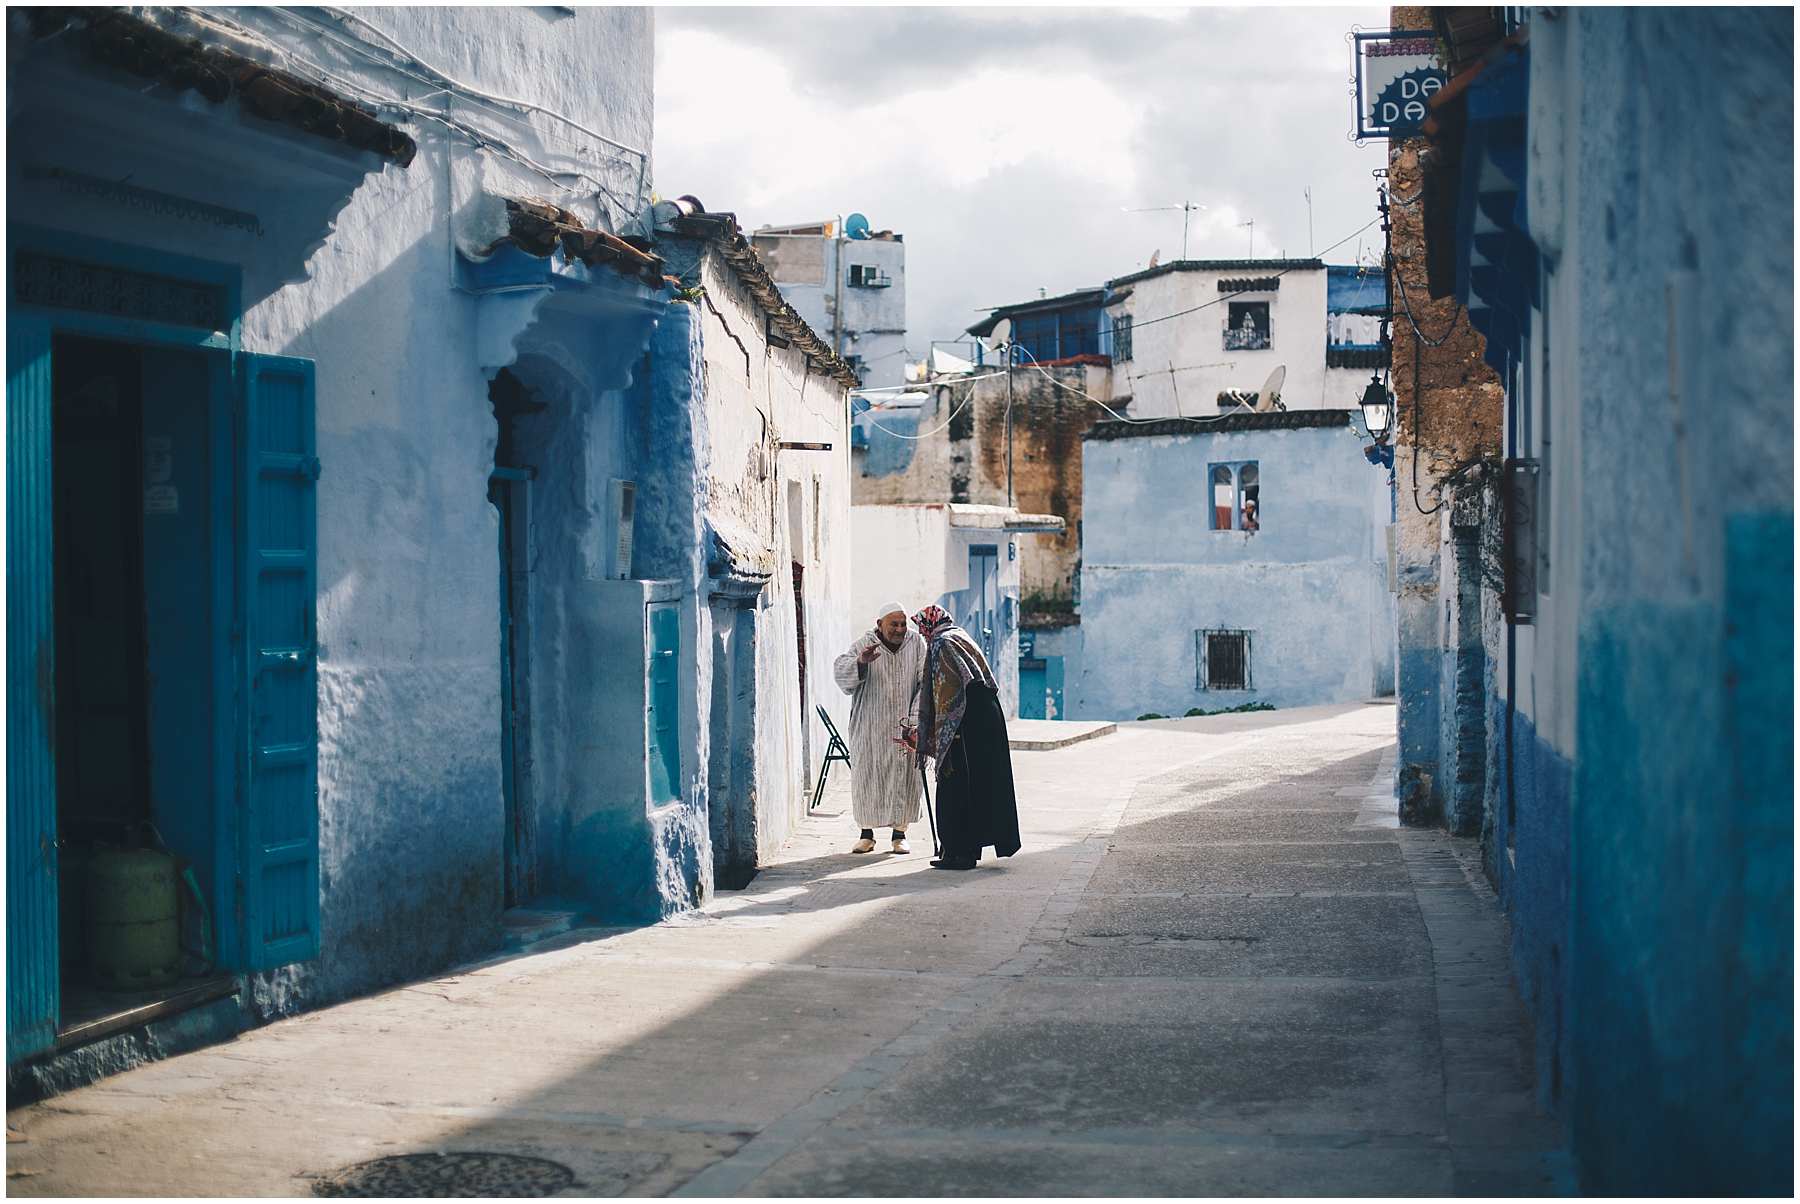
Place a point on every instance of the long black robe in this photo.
(976, 806)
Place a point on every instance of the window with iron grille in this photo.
(1221, 660)
(1121, 338)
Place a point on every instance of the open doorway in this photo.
(134, 703)
(509, 489)
(797, 552)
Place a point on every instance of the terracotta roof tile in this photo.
(721, 230)
(540, 228)
(115, 38)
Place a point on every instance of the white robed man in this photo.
(881, 674)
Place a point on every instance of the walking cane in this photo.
(936, 849)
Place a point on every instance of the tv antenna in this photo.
(1252, 224)
(1186, 207)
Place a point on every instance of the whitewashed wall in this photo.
(1195, 342)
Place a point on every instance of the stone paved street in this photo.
(1216, 968)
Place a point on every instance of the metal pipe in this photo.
(1009, 424)
(837, 307)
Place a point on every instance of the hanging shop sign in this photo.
(1397, 74)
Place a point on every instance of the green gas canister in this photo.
(133, 919)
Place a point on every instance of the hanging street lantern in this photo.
(1378, 410)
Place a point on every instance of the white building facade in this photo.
(849, 282)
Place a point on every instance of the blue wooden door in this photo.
(31, 912)
(984, 599)
(1031, 688)
(280, 821)
(664, 703)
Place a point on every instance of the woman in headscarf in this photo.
(962, 728)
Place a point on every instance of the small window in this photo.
(1221, 660)
(1236, 496)
(867, 275)
(1247, 326)
(1121, 336)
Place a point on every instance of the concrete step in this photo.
(522, 926)
(1038, 735)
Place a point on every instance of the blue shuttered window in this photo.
(31, 901)
(280, 821)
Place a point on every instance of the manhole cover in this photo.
(456, 1174)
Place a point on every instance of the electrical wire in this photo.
(483, 141)
(968, 397)
(1220, 300)
(1420, 335)
(922, 385)
(470, 90)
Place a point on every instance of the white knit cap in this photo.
(888, 608)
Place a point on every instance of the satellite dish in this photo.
(1269, 396)
(1155, 255)
(856, 226)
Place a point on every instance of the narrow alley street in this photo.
(1217, 967)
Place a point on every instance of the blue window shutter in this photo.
(31, 903)
(665, 702)
(279, 826)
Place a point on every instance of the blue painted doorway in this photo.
(983, 618)
(161, 649)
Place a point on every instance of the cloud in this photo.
(1003, 143)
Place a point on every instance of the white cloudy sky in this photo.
(1003, 143)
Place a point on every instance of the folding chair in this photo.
(836, 750)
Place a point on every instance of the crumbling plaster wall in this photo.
(1048, 420)
(757, 396)
(964, 460)
(1449, 413)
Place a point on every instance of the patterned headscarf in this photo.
(932, 620)
(952, 662)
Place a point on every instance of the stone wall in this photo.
(1449, 411)
(962, 458)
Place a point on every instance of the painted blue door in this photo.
(984, 599)
(1032, 689)
(280, 820)
(664, 704)
(1053, 687)
(31, 901)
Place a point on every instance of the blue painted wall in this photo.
(1310, 585)
(350, 270)
(1644, 822)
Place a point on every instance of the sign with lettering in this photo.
(1397, 74)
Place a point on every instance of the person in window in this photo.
(1250, 523)
(881, 675)
(963, 730)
